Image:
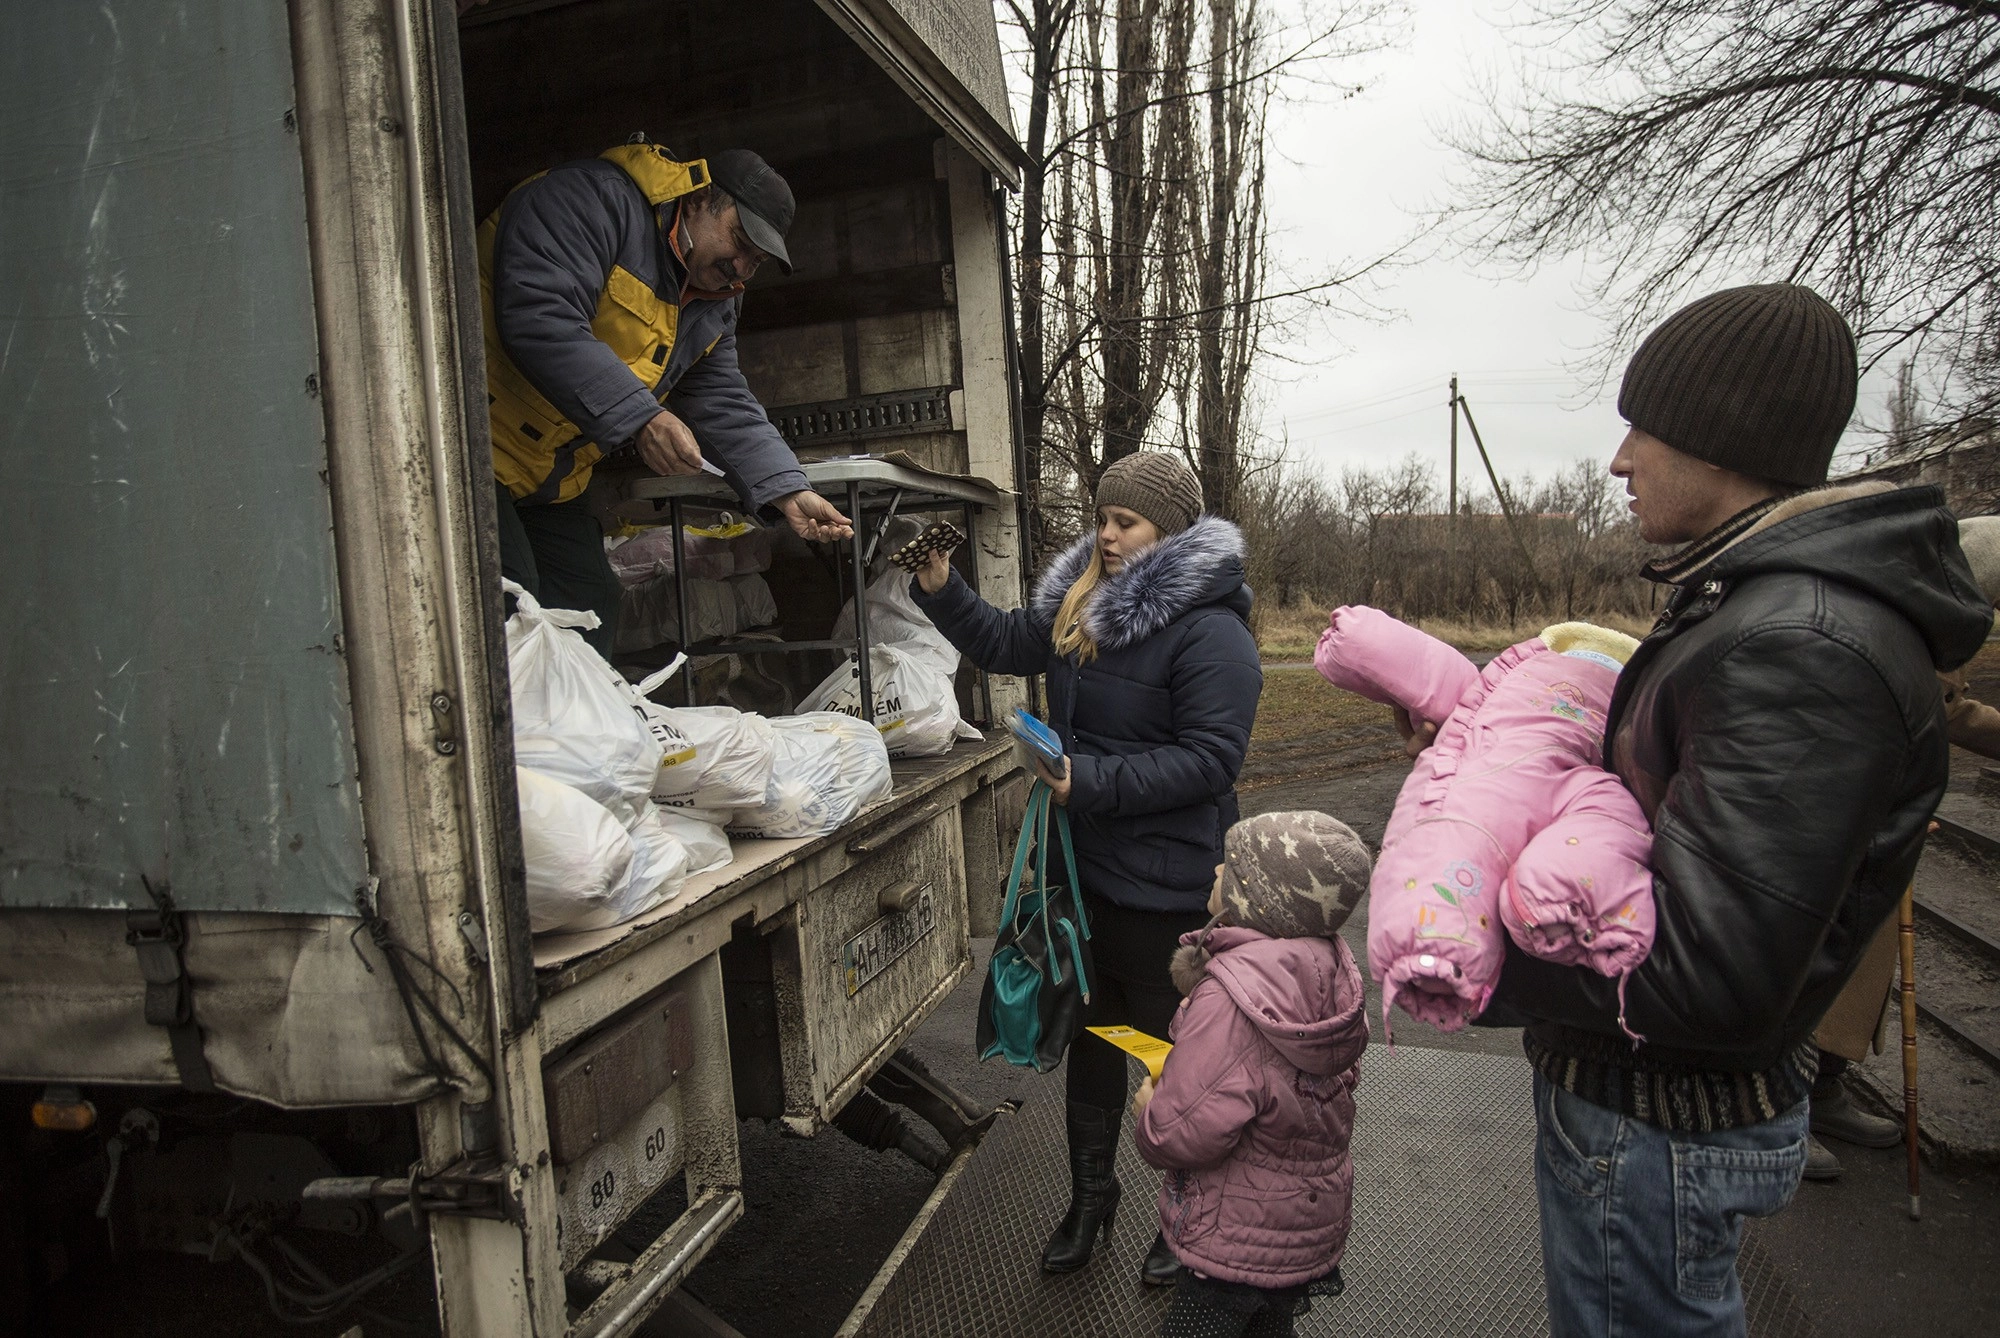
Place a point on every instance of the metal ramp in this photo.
(1445, 1238)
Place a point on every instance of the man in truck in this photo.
(610, 289)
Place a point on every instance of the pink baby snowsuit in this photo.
(1508, 819)
(1255, 1108)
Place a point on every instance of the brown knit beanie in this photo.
(1293, 875)
(1158, 486)
(1760, 380)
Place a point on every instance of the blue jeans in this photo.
(1640, 1226)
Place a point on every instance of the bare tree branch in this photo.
(1850, 146)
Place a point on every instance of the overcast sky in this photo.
(1351, 179)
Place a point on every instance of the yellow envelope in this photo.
(1148, 1050)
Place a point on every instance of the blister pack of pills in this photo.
(941, 537)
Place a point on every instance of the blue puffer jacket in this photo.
(1156, 726)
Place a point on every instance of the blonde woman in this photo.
(1142, 632)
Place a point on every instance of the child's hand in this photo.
(1142, 1097)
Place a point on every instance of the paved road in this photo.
(823, 1214)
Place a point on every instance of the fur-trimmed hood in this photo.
(1203, 564)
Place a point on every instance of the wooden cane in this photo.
(1906, 934)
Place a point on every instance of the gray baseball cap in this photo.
(763, 201)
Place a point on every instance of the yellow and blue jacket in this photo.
(590, 331)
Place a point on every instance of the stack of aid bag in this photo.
(1507, 820)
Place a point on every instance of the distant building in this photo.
(1962, 460)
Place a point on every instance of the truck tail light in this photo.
(63, 1110)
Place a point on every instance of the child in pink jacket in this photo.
(1253, 1112)
(1507, 823)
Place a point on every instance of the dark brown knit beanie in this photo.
(1760, 380)
(1158, 486)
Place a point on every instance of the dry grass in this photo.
(1307, 729)
(1291, 634)
(1298, 703)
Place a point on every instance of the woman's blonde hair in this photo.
(1070, 636)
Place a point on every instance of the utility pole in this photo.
(1451, 504)
(1451, 487)
(1506, 508)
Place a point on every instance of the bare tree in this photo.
(1381, 537)
(1145, 280)
(1852, 146)
(1044, 26)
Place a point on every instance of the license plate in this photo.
(871, 952)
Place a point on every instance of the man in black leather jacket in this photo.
(1783, 730)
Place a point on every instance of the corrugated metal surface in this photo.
(1445, 1238)
(963, 37)
(173, 689)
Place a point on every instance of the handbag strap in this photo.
(1042, 879)
(1076, 959)
(1035, 830)
(1069, 859)
(1082, 920)
(1037, 800)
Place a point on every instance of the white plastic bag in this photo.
(829, 767)
(578, 856)
(916, 709)
(714, 757)
(650, 553)
(576, 719)
(648, 614)
(578, 723)
(911, 666)
(895, 619)
(755, 605)
(707, 844)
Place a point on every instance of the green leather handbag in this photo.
(1038, 983)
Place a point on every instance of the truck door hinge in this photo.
(444, 724)
(474, 934)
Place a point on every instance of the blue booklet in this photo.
(1040, 739)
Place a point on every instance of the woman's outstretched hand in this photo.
(1058, 788)
(935, 571)
(1417, 734)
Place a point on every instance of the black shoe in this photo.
(1093, 1188)
(1161, 1268)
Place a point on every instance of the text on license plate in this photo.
(869, 953)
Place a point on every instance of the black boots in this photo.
(1161, 1268)
(1093, 1200)
(1093, 1188)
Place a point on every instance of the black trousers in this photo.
(555, 551)
(1131, 952)
(1211, 1308)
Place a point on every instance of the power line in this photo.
(1373, 422)
(1515, 379)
